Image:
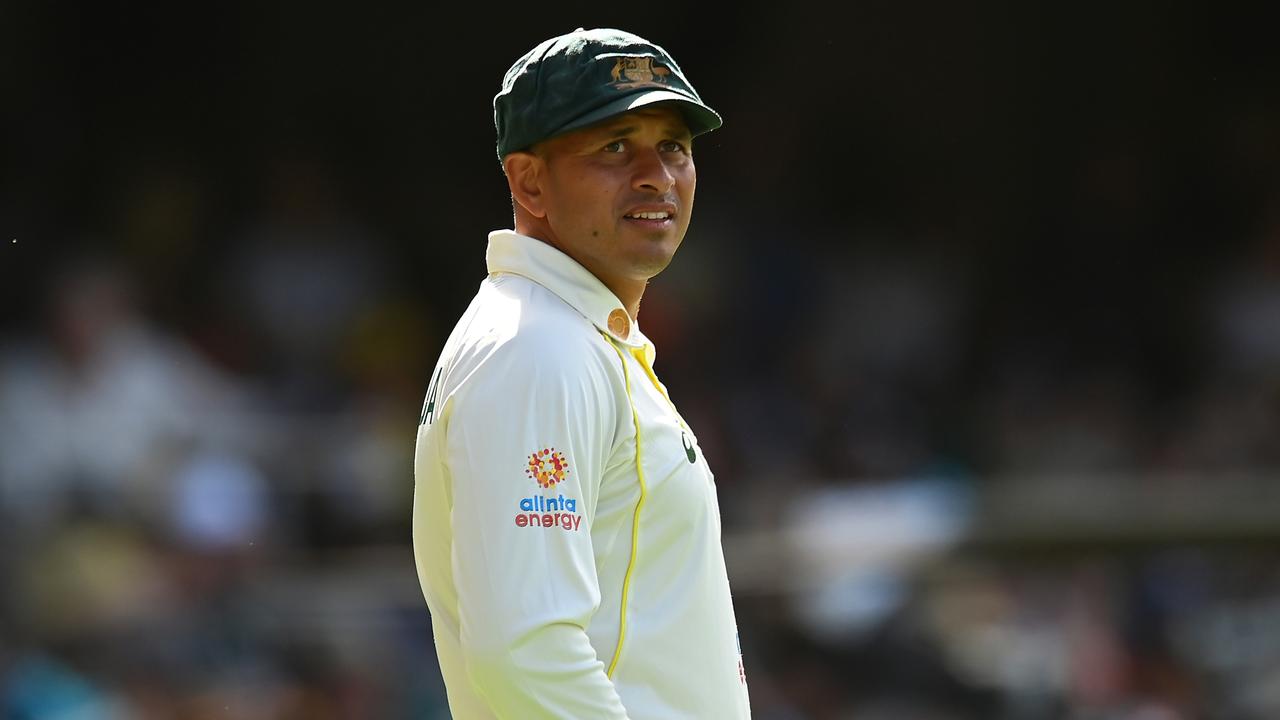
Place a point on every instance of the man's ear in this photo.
(524, 176)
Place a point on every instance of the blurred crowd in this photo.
(980, 335)
(184, 509)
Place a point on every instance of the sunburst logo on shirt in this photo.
(547, 467)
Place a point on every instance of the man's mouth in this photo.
(652, 216)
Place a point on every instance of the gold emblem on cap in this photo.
(633, 72)
(620, 323)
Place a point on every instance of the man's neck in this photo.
(627, 290)
(631, 306)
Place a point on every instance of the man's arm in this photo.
(527, 442)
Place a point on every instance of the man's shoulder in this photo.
(518, 325)
(534, 317)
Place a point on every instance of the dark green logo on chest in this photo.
(688, 448)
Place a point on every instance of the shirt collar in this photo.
(510, 252)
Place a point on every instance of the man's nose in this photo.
(651, 173)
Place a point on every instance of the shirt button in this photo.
(620, 323)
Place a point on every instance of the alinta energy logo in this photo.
(548, 467)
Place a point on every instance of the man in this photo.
(565, 521)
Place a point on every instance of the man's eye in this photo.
(614, 147)
(673, 146)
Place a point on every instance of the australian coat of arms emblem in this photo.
(630, 72)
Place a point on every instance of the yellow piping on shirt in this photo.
(635, 520)
(639, 354)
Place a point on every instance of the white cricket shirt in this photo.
(565, 522)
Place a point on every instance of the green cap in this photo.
(581, 78)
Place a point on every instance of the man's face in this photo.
(619, 194)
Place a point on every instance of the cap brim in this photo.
(697, 116)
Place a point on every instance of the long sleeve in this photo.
(526, 445)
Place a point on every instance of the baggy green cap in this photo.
(581, 78)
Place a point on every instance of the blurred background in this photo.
(978, 321)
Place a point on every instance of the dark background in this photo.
(978, 319)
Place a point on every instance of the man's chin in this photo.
(648, 264)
